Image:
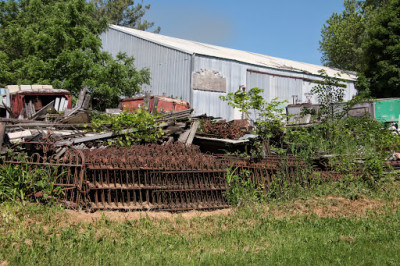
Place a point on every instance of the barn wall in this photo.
(169, 68)
(279, 84)
(172, 74)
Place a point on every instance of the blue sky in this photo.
(287, 29)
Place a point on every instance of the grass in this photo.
(312, 229)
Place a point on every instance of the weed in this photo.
(17, 181)
(242, 187)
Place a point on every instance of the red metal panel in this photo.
(18, 103)
(164, 104)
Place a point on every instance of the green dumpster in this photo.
(387, 110)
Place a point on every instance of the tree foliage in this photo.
(365, 38)
(329, 91)
(342, 37)
(124, 13)
(56, 42)
(381, 69)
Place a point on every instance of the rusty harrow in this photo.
(154, 177)
(270, 171)
(67, 173)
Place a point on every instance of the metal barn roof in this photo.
(192, 47)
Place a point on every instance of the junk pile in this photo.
(41, 118)
(46, 132)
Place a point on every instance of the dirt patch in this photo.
(330, 207)
(346, 239)
(83, 217)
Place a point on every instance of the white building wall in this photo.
(276, 84)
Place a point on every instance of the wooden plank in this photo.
(155, 103)
(86, 102)
(81, 98)
(184, 136)
(30, 110)
(147, 100)
(9, 111)
(57, 104)
(43, 124)
(2, 131)
(62, 103)
(98, 136)
(44, 110)
(65, 105)
(19, 134)
(192, 133)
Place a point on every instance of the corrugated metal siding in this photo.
(169, 68)
(276, 84)
(209, 102)
(284, 88)
(171, 75)
(205, 49)
(256, 80)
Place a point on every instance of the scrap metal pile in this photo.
(173, 177)
(223, 129)
(149, 177)
(54, 141)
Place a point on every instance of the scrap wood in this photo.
(43, 111)
(100, 136)
(83, 100)
(188, 136)
(2, 132)
(8, 109)
(44, 124)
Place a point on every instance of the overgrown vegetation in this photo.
(268, 117)
(136, 127)
(19, 183)
(355, 147)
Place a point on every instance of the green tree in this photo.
(330, 91)
(56, 42)
(381, 68)
(124, 13)
(342, 37)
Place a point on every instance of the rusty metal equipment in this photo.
(223, 129)
(67, 173)
(154, 177)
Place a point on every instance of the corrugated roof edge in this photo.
(192, 47)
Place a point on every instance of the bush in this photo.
(354, 144)
(144, 126)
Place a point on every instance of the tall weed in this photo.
(17, 182)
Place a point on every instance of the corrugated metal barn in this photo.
(199, 73)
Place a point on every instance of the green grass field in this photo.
(317, 228)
